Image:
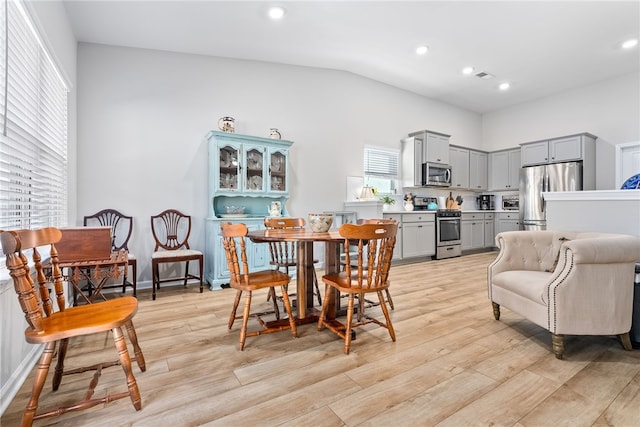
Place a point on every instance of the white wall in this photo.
(610, 110)
(143, 114)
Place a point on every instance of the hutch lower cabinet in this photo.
(247, 173)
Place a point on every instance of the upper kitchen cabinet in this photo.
(459, 160)
(478, 170)
(246, 171)
(435, 148)
(422, 147)
(504, 170)
(556, 150)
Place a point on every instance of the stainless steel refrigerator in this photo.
(534, 180)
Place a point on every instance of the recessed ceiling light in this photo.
(504, 86)
(630, 43)
(421, 50)
(467, 70)
(276, 12)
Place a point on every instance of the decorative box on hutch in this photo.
(247, 172)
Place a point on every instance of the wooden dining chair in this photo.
(171, 230)
(366, 271)
(381, 221)
(50, 323)
(284, 255)
(233, 239)
(121, 229)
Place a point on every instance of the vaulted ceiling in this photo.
(540, 48)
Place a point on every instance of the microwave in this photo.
(436, 175)
(510, 203)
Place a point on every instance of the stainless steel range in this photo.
(448, 240)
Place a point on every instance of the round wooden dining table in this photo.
(305, 239)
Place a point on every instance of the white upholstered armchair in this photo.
(570, 283)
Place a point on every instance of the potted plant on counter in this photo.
(388, 201)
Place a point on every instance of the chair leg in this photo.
(42, 369)
(315, 283)
(134, 270)
(625, 339)
(133, 337)
(234, 309)
(59, 371)
(557, 344)
(287, 307)
(347, 331)
(385, 311)
(271, 295)
(201, 266)
(389, 299)
(496, 310)
(245, 320)
(323, 310)
(155, 274)
(186, 274)
(125, 361)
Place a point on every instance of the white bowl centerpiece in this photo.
(320, 222)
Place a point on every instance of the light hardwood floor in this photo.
(452, 365)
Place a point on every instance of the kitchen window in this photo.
(33, 127)
(381, 167)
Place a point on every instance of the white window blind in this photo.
(33, 128)
(381, 162)
(381, 167)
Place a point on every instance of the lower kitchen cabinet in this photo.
(418, 235)
(489, 230)
(397, 249)
(472, 232)
(507, 221)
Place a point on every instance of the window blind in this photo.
(33, 134)
(381, 162)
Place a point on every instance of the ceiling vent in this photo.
(484, 76)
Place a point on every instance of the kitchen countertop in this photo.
(401, 211)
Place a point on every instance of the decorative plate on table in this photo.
(632, 183)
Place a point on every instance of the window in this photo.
(33, 127)
(381, 168)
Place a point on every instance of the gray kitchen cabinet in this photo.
(507, 221)
(478, 170)
(422, 147)
(418, 235)
(472, 231)
(489, 230)
(437, 148)
(556, 150)
(504, 170)
(459, 160)
(397, 249)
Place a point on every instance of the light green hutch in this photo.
(245, 171)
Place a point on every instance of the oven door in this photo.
(448, 231)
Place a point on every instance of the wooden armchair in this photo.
(121, 229)
(233, 239)
(48, 326)
(284, 255)
(171, 230)
(366, 271)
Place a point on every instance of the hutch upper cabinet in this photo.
(244, 171)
